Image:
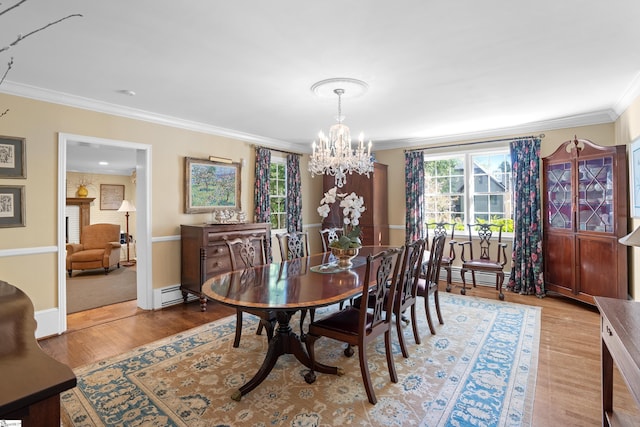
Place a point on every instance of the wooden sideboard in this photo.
(620, 343)
(204, 252)
(32, 381)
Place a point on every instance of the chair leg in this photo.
(416, 334)
(499, 280)
(429, 321)
(403, 345)
(448, 269)
(473, 276)
(366, 376)
(463, 271)
(390, 363)
(106, 270)
(303, 315)
(436, 300)
(236, 341)
(69, 271)
(259, 329)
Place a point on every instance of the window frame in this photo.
(278, 161)
(467, 159)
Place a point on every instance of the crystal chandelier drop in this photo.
(334, 155)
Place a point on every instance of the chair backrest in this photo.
(293, 245)
(329, 235)
(485, 233)
(250, 250)
(446, 229)
(431, 270)
(96, 236)
(409, 274)
(385, 268)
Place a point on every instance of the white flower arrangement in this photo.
(352, 207)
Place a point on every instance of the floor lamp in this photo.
(127, 207)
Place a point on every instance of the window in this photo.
(468, 188)
(278, 193)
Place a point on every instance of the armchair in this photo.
(484, 262)
(99, 247)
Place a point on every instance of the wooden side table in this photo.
(620, 334)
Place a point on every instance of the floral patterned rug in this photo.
(479, 370)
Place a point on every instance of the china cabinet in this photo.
(374, 221)
(585, 213)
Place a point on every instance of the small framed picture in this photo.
(634, 178)
(211, 185)
(12, 206)
(111, 196)
(12, 157)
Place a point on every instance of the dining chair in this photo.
(427, 284)
(446, 229)
(360, 326)
(295, 245)
(405, 296)
(484, 262)
(328, 235)
(251, 252)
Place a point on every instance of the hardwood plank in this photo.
(568, 381)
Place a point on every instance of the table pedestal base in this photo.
(284, 341)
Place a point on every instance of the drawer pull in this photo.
(609, 331)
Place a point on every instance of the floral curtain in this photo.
(527, 275)
(414, 192)
(294, 199)
(261, 192)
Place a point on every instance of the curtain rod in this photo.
(278, 150)
(476, 142)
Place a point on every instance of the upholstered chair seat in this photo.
(99, 247)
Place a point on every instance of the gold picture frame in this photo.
(211, 185)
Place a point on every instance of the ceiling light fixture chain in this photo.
(334, 155)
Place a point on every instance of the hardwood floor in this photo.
(568, 381)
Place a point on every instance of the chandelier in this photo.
(335, 156)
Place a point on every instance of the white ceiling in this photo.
(436, 70)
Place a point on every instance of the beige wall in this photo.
(40, 123)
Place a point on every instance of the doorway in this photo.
(141, 156)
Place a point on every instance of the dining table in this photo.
(286, 287)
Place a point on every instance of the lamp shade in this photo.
(631, 239)
(126, 206)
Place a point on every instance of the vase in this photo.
(344, 256)
(82, 191)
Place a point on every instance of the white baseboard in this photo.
(48, 323)
(169, 295)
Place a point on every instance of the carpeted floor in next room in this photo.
(89, 289)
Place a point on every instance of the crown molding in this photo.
(69, 100)
(594, 118)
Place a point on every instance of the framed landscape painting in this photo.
(211, 185)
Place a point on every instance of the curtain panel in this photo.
(527, 274)
(414, 194)
(294, 199)
(261, 192)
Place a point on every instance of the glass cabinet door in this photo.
(595, 195)
(559, 195)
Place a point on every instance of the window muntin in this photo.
(469, 188)
(278, 194)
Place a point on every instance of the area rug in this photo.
(89, 289)
(479, 370)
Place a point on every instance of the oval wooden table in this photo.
(285, 288)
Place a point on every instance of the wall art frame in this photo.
(13, 156)
(12, 206)
(634, 178)
(111, 196)
(211, 185)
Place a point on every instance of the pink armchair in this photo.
(99, 247)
